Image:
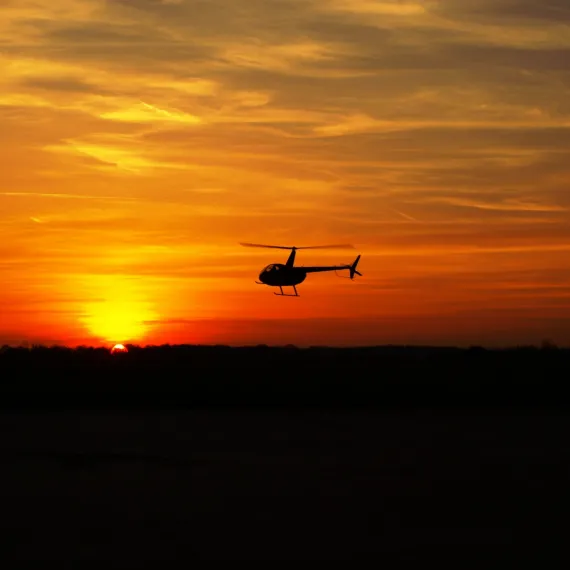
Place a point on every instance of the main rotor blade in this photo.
(334, 246)
(270, 246)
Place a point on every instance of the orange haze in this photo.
(141, 141)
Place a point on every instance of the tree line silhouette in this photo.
(194, 376)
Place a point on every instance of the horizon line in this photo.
(544, 344)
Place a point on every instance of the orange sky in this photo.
(141, 140)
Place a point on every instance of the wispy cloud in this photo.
(59, 196)
(403, 215)
(506, 205)
(143, 112)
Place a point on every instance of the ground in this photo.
(130, 489)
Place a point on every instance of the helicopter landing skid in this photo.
(287, 294)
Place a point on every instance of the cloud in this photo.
(493, 10)
(381, 8)
(144, 112)
(506, 205)
(61, 196)
(71, 85)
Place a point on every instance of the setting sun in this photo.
(119, 348)
(121, 311)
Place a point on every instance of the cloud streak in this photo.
(62, 196)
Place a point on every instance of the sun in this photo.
(118, 321)
(121, 314)
(119, 348)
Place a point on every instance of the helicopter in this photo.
(288, 275)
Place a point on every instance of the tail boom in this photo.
(321, 268)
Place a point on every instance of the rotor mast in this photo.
(291, 258)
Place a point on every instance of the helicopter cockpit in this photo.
(269, 272)
(271, 268)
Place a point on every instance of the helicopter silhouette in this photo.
(288, 275)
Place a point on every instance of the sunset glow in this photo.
(142, 140)
(120, 314)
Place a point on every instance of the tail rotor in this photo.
(353, 270)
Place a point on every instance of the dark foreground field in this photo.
(91, 478)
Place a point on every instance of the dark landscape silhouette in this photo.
(194, 376)
(167, 455)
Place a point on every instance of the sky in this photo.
(142, 140)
